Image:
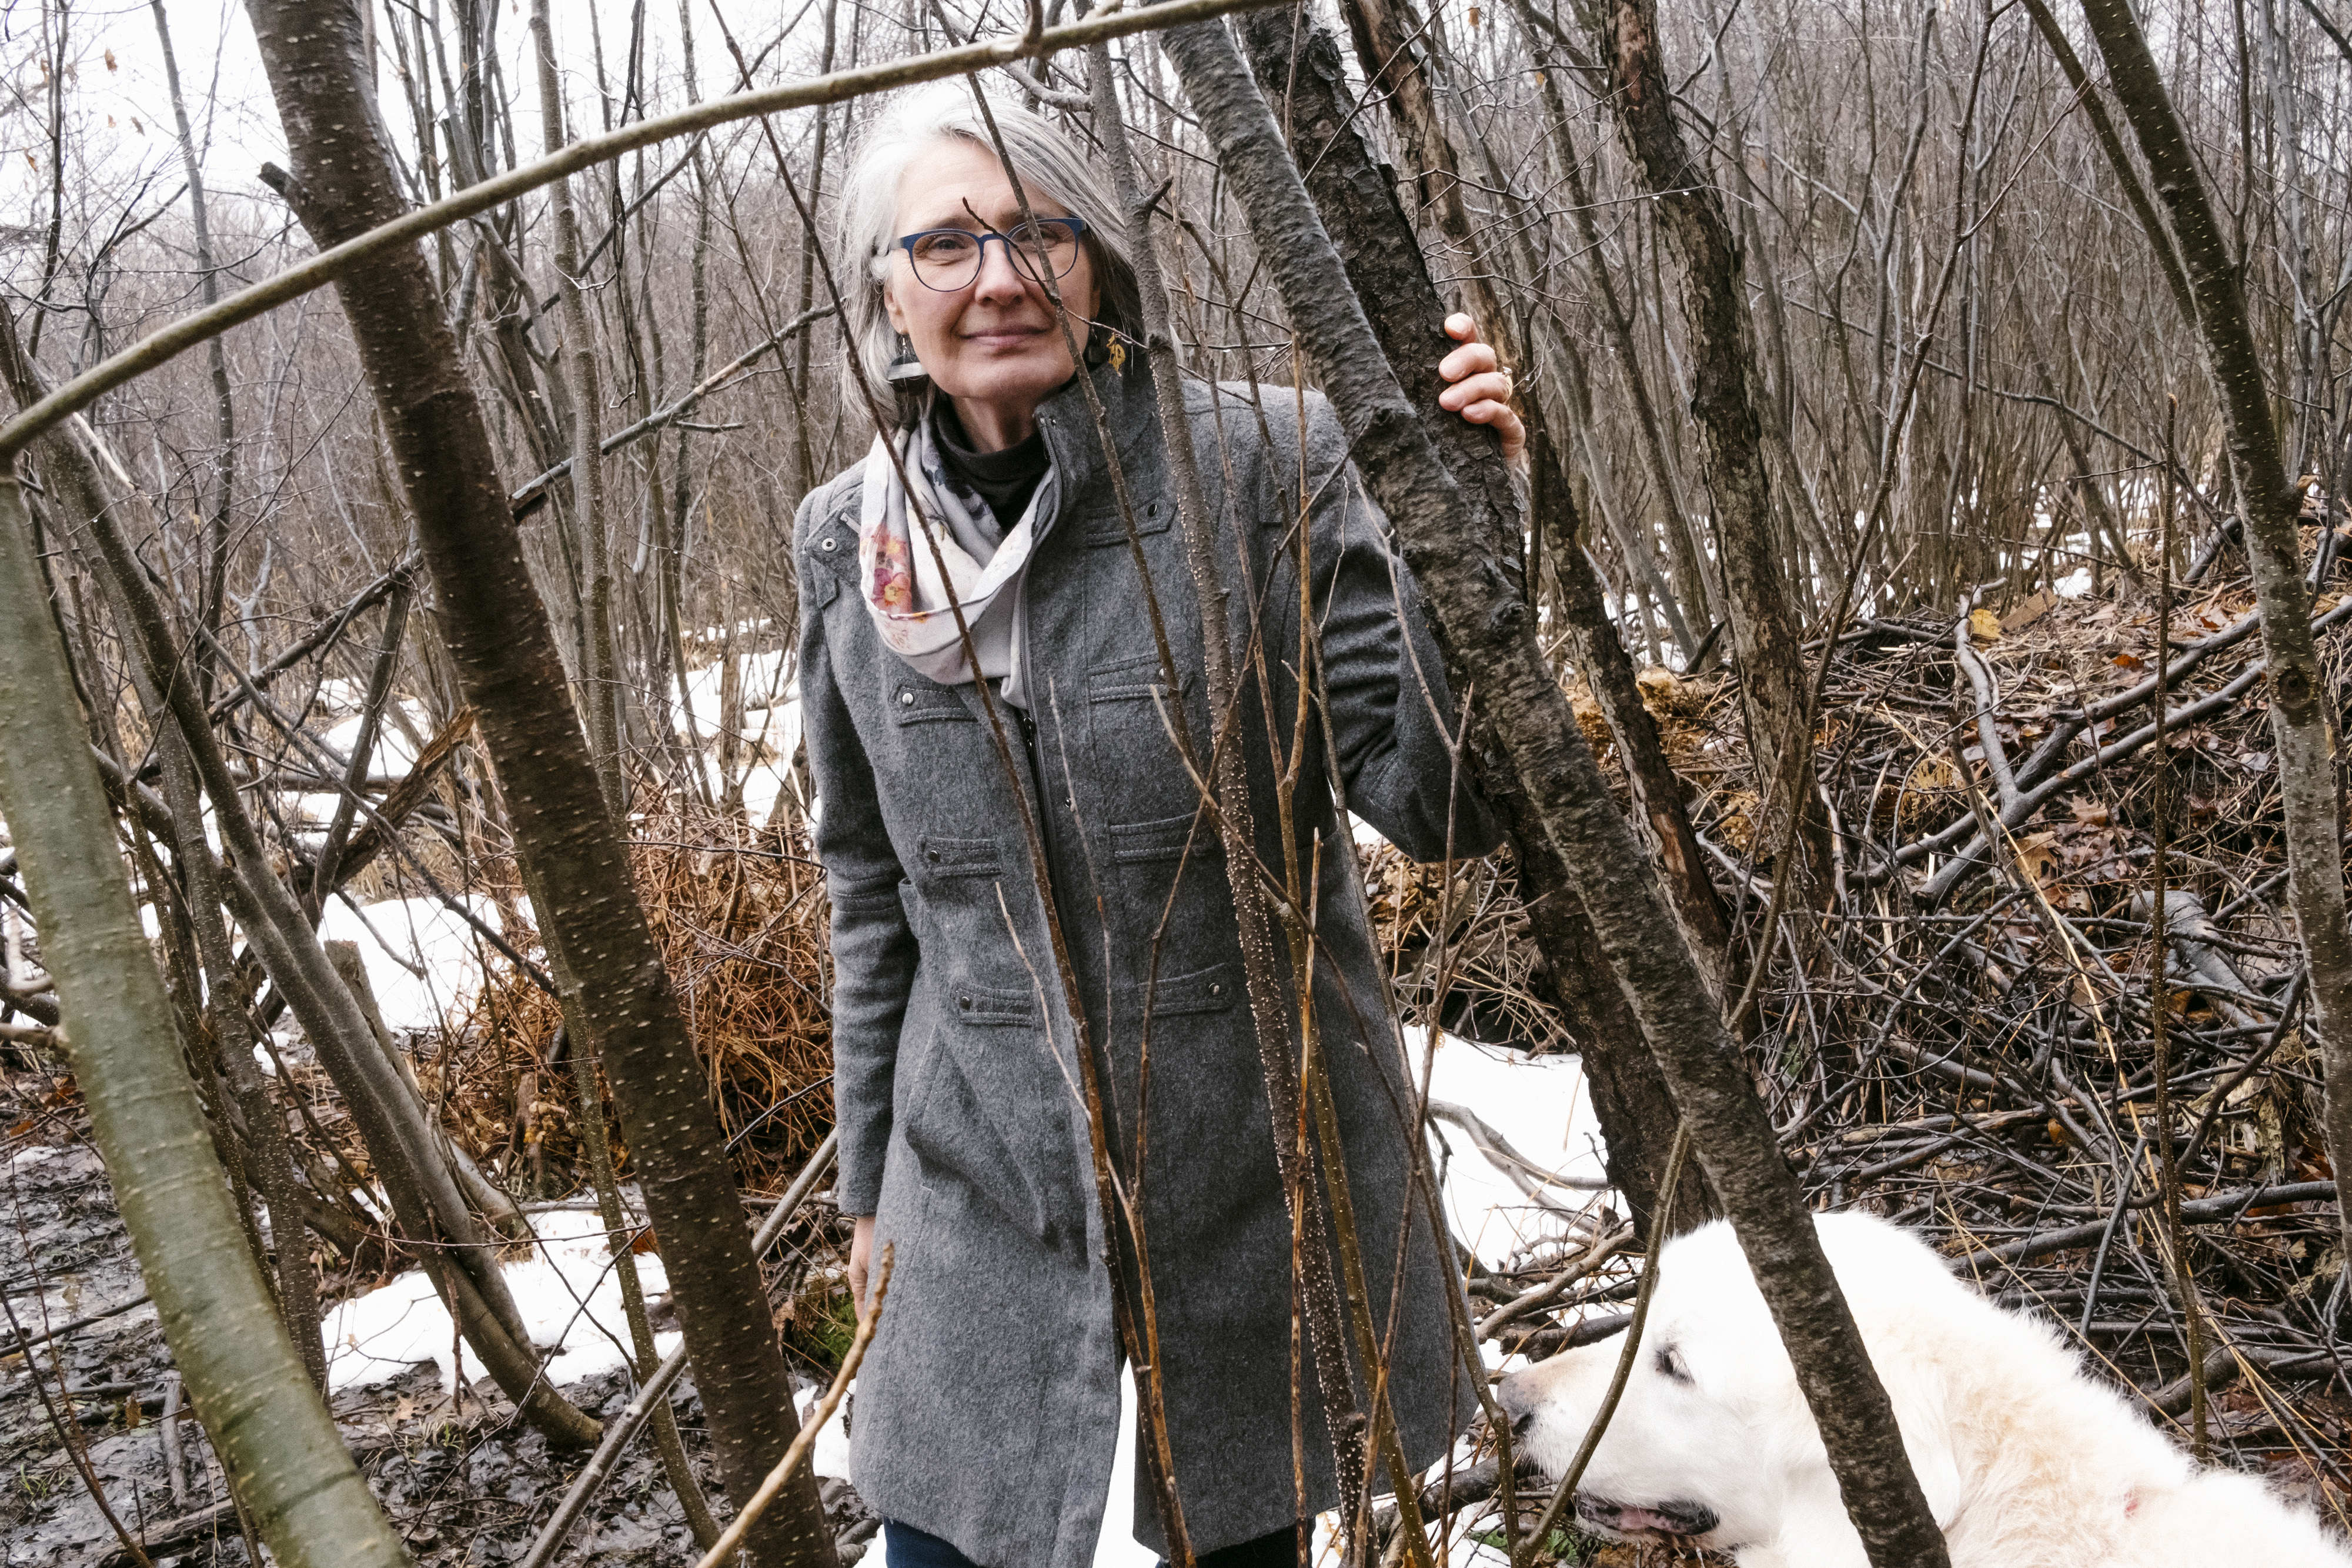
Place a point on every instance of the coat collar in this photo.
(1070, 435)
(1069, 426)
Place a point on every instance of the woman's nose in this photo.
(1000, 280)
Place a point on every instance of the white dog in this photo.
(2025, 1462)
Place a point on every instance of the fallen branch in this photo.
(1526, 1175)
(184, 1530)
(2228, 1208)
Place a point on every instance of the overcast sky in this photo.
(119, 111)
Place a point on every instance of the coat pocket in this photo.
(993, 1007)
(1106, 527)
(939, 857)
(980, 1144)
(1165, 839)
(914, 700)
(1210, 990)
(1138, 771)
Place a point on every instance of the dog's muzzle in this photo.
(1674, 1520)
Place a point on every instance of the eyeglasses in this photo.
(950, 259)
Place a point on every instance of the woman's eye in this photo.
(943, 247)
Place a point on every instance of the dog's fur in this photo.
(2026, 1462)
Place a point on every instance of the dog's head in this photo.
(1712, 1444)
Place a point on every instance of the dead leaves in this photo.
(1666, 692)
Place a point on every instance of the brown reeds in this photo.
(740, 916)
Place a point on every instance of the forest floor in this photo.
(464, 1482)
(1961, 1036)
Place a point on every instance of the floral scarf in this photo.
(900, 572)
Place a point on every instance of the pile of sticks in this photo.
(1965, 1035)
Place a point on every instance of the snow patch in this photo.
(568, 1295)
(1541, 1106)
(422, 959)
(831, 1457)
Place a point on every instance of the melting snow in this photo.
(569, 1298)
(421, 958)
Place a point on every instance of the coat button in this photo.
(1216, 989)
(827, 544)
(965, 1002)
(906, 696)
(932, 856)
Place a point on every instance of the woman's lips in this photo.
(1005, 336)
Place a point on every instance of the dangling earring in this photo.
(904, 367)
(1104, 347)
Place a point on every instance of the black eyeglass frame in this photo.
(1013, 248)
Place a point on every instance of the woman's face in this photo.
(991, 345)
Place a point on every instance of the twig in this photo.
(1565, 1491)
(2176, 1235)
(825, 1407)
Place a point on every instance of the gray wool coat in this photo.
(988, 1407)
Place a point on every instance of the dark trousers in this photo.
(904, 1546)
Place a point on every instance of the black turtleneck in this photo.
(1005, 479)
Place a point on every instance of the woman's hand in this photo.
(1481, 391)
(861, 1256)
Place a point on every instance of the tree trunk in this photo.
(285, 1460)
(1690, 217)
(569, 847)
(1488, 637)
(1386, 268)
(1383, 32)
(2300, 702)
(1272, 1015)
(599, 657)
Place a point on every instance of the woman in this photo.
(986, 1416)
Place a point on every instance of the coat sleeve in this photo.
(873, 947)
(1384, 679)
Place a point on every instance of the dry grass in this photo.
(740, 916)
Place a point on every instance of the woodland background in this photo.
(1993, 456)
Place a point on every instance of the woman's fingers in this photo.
(1472, 359)
(1482, 386)
(1492, 385)
(861, 1254)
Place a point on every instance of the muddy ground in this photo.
(464, 1485)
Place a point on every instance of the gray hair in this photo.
(1050, 163)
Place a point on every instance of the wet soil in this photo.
(465, 1483)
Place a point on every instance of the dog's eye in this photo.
(1670, 1365)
